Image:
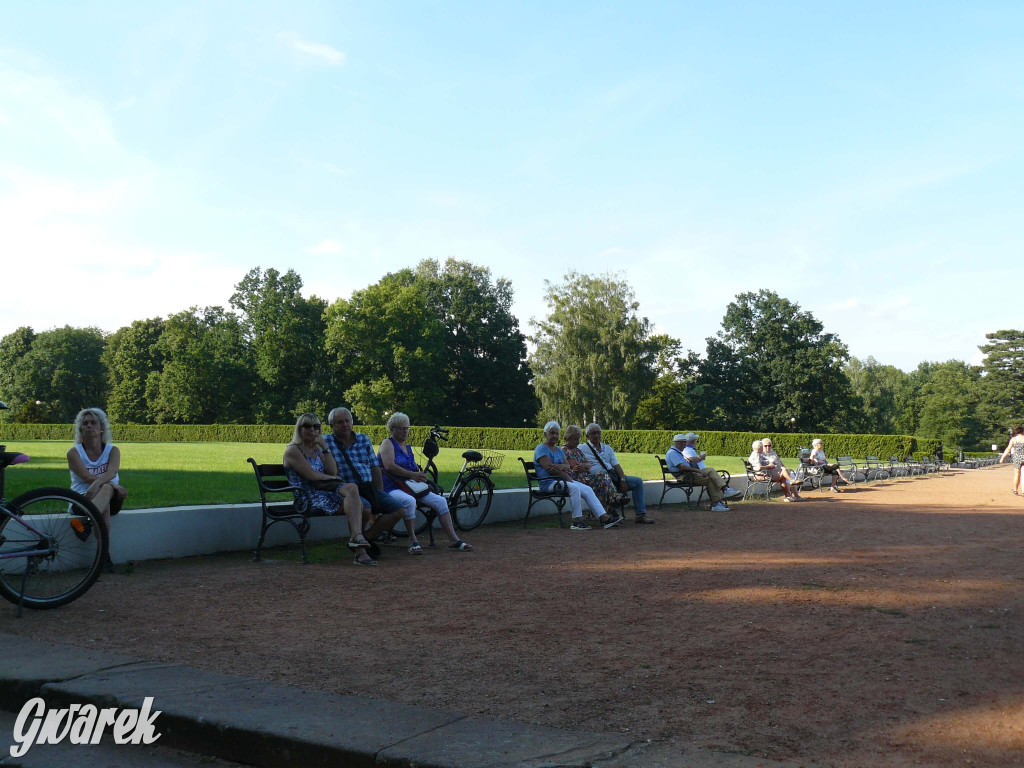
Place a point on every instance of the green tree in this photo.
(885, 392)
(949, 403)
(132, 355)
(595, 359)
(207, 375)
(60, 373)
(285, 333)
(669, 403)
(485, 377)
(772, 367)
(1003, 389)
(13, 347)
(384, 348)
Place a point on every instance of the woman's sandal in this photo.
(358, 542)
(368, 561)
(461, 546)
(415, 549)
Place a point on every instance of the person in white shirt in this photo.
(685, 463)
(767, 464)
(818, 459)
(602, 459)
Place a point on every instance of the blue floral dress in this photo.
(328, 501)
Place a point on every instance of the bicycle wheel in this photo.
(70, 528)
(470, 501)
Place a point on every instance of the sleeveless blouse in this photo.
(97, 467)
(328, 501)
(405, 460)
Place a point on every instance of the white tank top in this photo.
(97, 467)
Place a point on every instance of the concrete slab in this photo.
(254, 722)
(248, 721)
(475, 742)
(28, 665)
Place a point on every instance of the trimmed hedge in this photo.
(499, 439)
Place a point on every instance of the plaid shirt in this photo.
(361, 454)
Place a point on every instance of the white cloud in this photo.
(327, 246)
(320, 51)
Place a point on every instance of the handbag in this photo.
(414, 488)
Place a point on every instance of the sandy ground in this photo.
(879, 627)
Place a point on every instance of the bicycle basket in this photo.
(491, 460)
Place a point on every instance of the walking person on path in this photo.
(1015, 448)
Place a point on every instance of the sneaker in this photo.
(720, 507)
(81, 528)
(730, 492)
(579, 524)
(615, 520)
(643, 520)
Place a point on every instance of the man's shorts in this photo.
(383, 504)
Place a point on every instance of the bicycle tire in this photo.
(470, 500)
(74, 561)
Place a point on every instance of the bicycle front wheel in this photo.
(470, 501)
(67, 531)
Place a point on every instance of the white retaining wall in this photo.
(147, 534)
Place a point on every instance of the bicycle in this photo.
(472, 491)
(52, 543)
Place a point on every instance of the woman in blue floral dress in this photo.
(308, 461)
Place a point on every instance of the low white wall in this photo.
(147, 534)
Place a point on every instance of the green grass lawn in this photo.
(184, 474)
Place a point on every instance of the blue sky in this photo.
(861, 159)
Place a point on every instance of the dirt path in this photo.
(880, 627)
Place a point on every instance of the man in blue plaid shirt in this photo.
(358, 463)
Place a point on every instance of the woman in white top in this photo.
(819, 459)
(94, 463)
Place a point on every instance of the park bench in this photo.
(898, 468)
(849, 468)
(875, 469)
(684, 482)
(272, 480)
(755, 479)
(557, 494)
(673, 482)
(809, 473)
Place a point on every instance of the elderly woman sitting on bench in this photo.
(768, 466)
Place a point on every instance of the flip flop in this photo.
(371, 561)
(461, 546)
(415, 549)
(358, 542)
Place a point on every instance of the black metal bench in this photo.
(557, 494)
(273, 479)
(756, 478)
(874, 469)
(672, 482)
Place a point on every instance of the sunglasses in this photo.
(311, 426)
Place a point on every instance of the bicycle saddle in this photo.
(472, 456)
(7, 459)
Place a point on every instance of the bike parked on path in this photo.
(472, 491)
(52, 543)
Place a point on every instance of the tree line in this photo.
(441, 343)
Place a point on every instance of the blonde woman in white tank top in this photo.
(94, 463)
